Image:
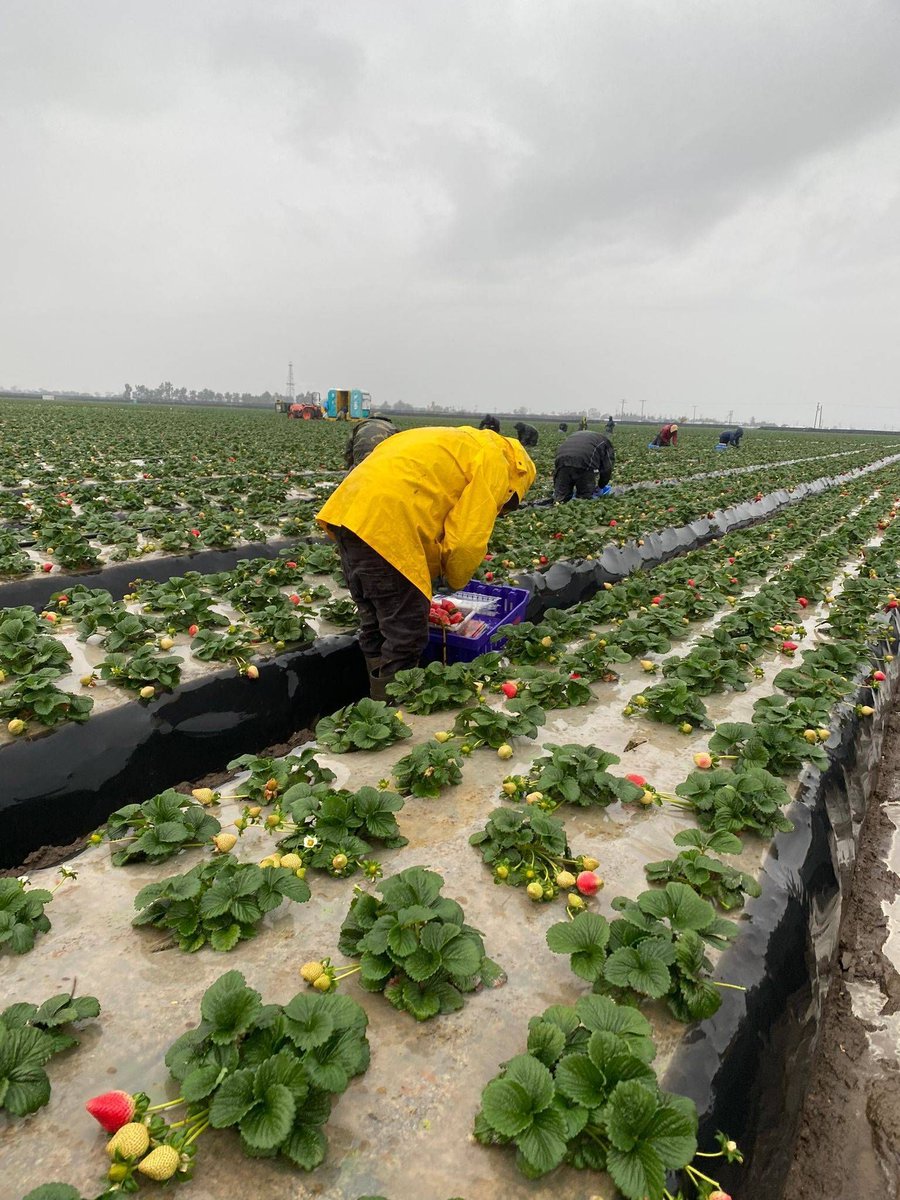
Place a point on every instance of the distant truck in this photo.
(352, 405)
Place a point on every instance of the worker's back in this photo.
(580, 448)
(365, 437)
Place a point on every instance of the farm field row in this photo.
(92, 486)
(659, 730)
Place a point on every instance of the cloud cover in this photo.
(503, 204)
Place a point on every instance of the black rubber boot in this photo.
(378, 688)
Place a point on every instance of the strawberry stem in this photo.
(695, 1175)
(168, 1104)
(737, 987)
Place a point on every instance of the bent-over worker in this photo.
(667, 436)
(527, 434)
(489, 422)
(584, 462)
(731, 437)
(420, 509)
(365, 437)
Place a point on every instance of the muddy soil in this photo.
(848, 1144)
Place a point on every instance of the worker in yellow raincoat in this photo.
(421, 507)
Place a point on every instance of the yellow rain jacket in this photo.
(427, 499)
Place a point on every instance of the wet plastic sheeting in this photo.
(748, 1067)
(129, 753)
(117, 578)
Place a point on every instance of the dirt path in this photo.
(848, 1144)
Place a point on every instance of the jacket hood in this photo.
(522, 470)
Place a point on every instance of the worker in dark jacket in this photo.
(610, 424)
(489, 422)
(731, 437)
(584, 462)
(364, 438)
(527, 434)
(563, 427)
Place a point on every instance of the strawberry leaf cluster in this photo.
(708, 876)
(327, 824)
(219, 903)
(573, 774)
(438, 687)
(368, 725)
(526, 848)
(750, 798)
(159, 828)
(654, 949)
(584, 1093)
(481, 725)
(22, 915)
(268, 1071)
(270, 777)
(414, 945)
(29, 1037)
(428, 769)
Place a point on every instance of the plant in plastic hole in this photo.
(368, 725)
(414, 945)
(219, 903)
(480, 725)
(22, 915)
(654, 949)
(750, 798)
(428, 769)
(36, 697)
(671, 703)
(572, 774)
(270, 777)
(713, 879)
(527, 848)
(157, 829)
(30, 1035)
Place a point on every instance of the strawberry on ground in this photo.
(112, 1109)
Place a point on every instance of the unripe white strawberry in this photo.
(131, 1141)
(311, 971)
(224, 842)
(160, 1164)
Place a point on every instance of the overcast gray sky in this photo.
(680, 201)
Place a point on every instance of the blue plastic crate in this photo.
(447, 647)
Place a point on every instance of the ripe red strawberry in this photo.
(691, 583)
(574, 675)
(193, 630)
(195, 533)
(587, 883)
(111, 1109)
(637, 780)
(489, 576)
(510, 689)
(614, 522)
(789, 647)
(802, 601)
(294, 598)
(47, 567)
(543, 560)
(292, 565)
(879, 676)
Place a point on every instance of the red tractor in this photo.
(305, 412)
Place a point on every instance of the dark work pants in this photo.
(568, 479)
(393, 613)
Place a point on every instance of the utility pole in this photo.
(730, 415)
(643, 402)
(622, 413)
(290, 383)
(694, 417)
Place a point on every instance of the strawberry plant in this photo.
(141, 669)
(552, 689)
(748, 799)
(428, 769)
(29, 1037)
(127, 631)
(36, 697)
(330, 830)
(481, 725)
(528, 848)
(26, 648)
(653, 949)
(233, 644)
(22, 915)
(709, 877)
(413, 945)
(593, 661)
(433, 688)
(572, 774)
(671, 703)
(368, 725)
(584, 1094)
(343, 613)
(706, 670)
(270, 1072)
(218, 902)
(270, 777)
(159, 828)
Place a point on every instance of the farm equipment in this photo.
(306, 412)
(352, 405)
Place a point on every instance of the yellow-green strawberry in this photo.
(160, 1164)
(131, 1141)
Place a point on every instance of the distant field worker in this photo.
(365, 437)
(584, 462)
(422, 507)
(731, 437)
(667, 436)
(527, 434)
(610, 423)
(489, 422)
